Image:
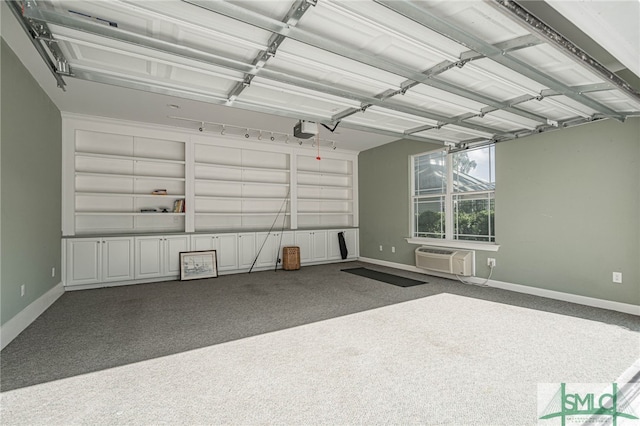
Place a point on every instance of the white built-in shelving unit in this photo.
(114, 178)
(325, 192)
(239, 188)
(228, 184)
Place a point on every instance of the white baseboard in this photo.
(16, 325)
(550, 294)
(567, 297)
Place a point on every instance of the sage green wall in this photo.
(383, 198)
(567, 209)
(30, 184)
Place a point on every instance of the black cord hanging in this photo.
(329, 128)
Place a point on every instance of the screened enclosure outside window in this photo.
(453, 195)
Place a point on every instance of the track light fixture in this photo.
(229, 130)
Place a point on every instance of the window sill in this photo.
(466, 245)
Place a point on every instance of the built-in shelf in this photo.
(320, 186)
(272, 214)
(242, 182)
(341, 200)
(106, 213)
(129, 176)
(128, 158)
(221, 197)
(322, 213)
(232, 167)
(319, 173)
(128, 194)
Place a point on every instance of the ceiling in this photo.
(453, 72)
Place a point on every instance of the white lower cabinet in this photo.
(225, 245)
(333, 246)
(96, 260)
(246, 249)
(313, 246)
(270, 247)
(159, 256)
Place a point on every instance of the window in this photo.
(453, 195)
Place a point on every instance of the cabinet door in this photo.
(319, 239)
(246, 249)
(227, 251)
(351, 238)
(83, 261)
(203, 242)
(266, 247)
(333, 247)
(304, 241)
(117, 259)
(173, 245)
(149, 261)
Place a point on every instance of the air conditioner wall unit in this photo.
(457, 262)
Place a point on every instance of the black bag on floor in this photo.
(343, 245)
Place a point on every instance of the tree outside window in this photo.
(453, 195)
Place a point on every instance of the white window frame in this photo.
(448, 240)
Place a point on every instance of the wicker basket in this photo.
(291, 258)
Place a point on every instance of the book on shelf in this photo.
(178, 206)
(159, 192)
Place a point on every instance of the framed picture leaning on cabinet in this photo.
(198, 264)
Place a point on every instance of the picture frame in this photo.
(200, 264)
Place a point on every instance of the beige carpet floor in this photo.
(440, 359)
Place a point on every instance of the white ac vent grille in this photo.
(458, 262)
(435, 250)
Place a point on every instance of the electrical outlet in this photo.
(491, 262)
(22, 289)
(53, 272)
(617, 277)
(380, 248)
(393, 249)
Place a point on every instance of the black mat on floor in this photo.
(384, 277)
